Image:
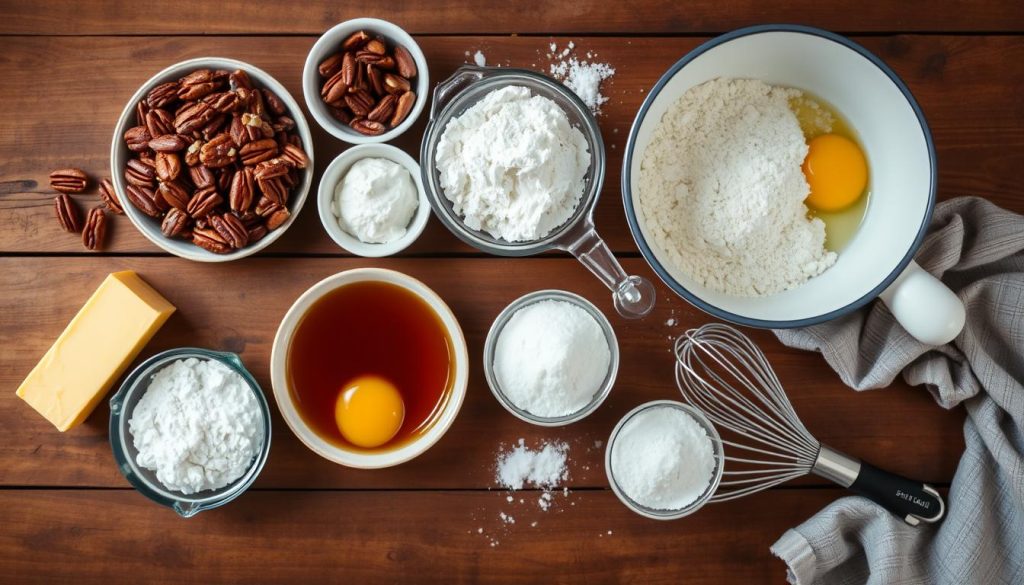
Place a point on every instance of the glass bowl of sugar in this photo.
(551, 358)
(664, 460)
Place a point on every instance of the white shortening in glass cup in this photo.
(634, 296)
(901, 159)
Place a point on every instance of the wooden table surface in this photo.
(67, 69)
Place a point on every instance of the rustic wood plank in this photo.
(968, 87)
(237, 307)
(66, 17)
(400, 537)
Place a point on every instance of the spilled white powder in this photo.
(582, 77)
(722, 191)
(663, 459)
(543, 468)
(551, 358)
(512, 165)
(198, 426)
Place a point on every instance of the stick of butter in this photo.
(94, 350)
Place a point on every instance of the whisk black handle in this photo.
(913, 501)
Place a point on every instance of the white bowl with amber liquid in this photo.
(305, 367)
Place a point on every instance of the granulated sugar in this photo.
(663, 459)
(583, 77)
(543, 468)
(551, 358)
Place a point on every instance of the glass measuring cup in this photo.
(634, 296)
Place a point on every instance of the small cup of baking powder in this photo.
(371, 200)
(664, 460)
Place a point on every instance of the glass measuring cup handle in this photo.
(634, 296)
(449, 88)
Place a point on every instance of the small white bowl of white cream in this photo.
(371, 200)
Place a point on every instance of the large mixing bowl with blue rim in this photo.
(878, 261)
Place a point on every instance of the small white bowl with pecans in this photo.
(212, 159)
(365, 80)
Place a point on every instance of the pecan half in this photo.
(274, 189)
(258, 151)
(69, 180)
(271, 169)
(109, 197)
(201, 176)
(95, 229)
(396, 84)
(223, 102)
(283, 124)
(143, 199)
(266, 206)
(159, 123)
(192, 154)
(331, 65)
(376, 78)
(203, 202)
(174, 223)
(295, 155)
(168, 143)
(193, 116)
(168, 166)
(208, 239)
(218, 152)
(137, 138)
(67, 213)
(197, 84)
(367, 127)
(231, 229)
(384, 109)
(403, 107)
(214, 126)
(257, 127)
(241, 196)
(162, 95)
(277, 219)
(348, 69)
(274, 103)
(174, 194)
(404, 62)
(376, 59)
(224, 178)
(239, 79)
(140, 172)
(257, 232)
(355, 41)
(360, 102)
(335, 89)
(340, 114)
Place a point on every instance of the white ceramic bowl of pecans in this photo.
(356, 66)
(246, 217)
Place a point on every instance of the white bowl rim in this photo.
(325, 199)
(662, 272)
(137, 218)
(279, 382)
(310, 72)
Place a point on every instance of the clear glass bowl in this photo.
(123, 403)
(634, 296)
(492, 340)
(716, 443)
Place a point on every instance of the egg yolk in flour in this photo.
(837, 172)
(369, 411)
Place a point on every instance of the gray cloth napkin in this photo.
(977, 249)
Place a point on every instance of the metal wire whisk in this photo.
(724, 374)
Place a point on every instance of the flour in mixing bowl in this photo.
(722, 192)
